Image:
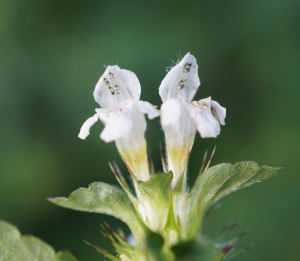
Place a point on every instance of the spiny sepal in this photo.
(157, 249)
(202, 248)
(103, 252)
(229, 249)
(123, 248)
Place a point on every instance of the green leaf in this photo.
(244, 174)
(158, 186)
(15, 247)
(239, 174)
(263, 173)
(220, 180)
(205, 188)
(170, 230)
(171, 220)
(180, 185)
(103, 198)
(155, 193)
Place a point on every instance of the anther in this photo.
(112, 78)
(187, 67)
(106, 81)
(182, 84)
(117, 88)
(111, 90)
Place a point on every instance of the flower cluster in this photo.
(118, 93)
(165, 218)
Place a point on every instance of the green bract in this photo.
(166, 222)
(15, 247)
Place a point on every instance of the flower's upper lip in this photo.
(115, 87)
(182, 79)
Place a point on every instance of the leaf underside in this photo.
(102, 198)
(15, 247)
(220, 180)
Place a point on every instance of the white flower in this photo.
(118, 93)
(180, 117)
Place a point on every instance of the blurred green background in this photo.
(51, 56)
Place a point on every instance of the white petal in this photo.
(118, 125)
(115, 87)
(191, 110)
(207, 125)
(102, 113)
(131, 81)
(218, 111)
(179, 140)
(148, 108)
(85, 129)
(170, 112)
(132, 146)
(170, 86)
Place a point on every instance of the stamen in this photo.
(117, 88)
(106, 81)
(111, 90)
(182, 84)
(112, 78)
(187, 67)
(214, 112)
